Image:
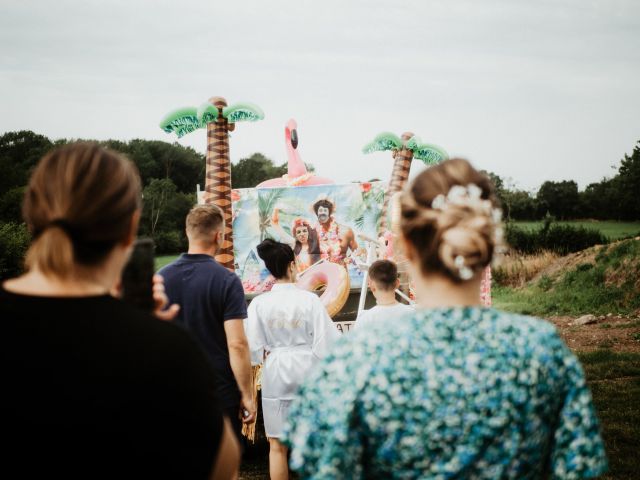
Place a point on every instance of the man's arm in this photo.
(241, 365)
(353, 244)
(348, 241)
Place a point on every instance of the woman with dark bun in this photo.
(289, 329)
(92, 386)
(454, 390)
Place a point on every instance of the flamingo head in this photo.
(291, 133)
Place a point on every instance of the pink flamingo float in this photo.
(297, 175)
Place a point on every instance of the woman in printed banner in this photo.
(454, 390)
(304, 241)
(289, 329)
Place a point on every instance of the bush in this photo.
(168, 242)
(14, 242)
(561, 239)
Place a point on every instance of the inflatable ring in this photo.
(334, 278)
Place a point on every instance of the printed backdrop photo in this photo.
(357, 206)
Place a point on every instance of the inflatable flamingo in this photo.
(297, 174)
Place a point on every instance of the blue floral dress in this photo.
(447, 393)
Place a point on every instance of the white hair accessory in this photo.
(465, 272)
(471, 196)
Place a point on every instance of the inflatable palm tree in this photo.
(219, 119)
(404, 149)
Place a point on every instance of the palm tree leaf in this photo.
(383, 141)
(239, 112)
(266, 203)
(413, 143)
(181, 121)
(207, 113)
(430, 154)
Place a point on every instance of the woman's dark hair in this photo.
(323, 203)
(277, 256)
(313, 248)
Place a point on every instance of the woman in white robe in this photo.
(290, 330)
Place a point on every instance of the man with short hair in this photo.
(383, 281)
(213, 308)
(335, 239)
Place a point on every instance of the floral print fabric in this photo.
(330, 242)
(447, 393)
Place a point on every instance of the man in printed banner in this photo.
(335, 239)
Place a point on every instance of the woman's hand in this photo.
(161, 301)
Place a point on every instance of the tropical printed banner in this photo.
(337, 230)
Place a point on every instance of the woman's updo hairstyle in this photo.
(78, 205)
(277, 256)
(449, 218)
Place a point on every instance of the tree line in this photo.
(170, 173)
(615, 198)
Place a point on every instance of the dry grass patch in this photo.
(516, 270)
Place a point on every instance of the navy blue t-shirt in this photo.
(208, 295)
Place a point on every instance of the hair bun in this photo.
(267, 247)
(465, 247)
(276, 256)
(450, 218)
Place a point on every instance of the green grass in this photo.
(163, 260)
(610, 285)
(611, 229)
(614, 381)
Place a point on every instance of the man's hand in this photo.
(240, 361)
(161, 300)
(275, 217)
(248, 410)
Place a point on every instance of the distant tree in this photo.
(155, 159)
(602, 200)
(19, 153)
(560, 199)
(14, 241)
(500, 191)
(11, 205)
(250, 171)
(629, 185)
(521, 204)
(157, 200)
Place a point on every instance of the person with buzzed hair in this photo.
(213, 308)
(383, 281)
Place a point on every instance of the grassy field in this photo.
(611, 229)
(601, 281)
(614, 380)
(163, 260)
(598, 281)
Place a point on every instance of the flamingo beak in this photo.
(294, 138)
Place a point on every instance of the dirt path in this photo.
(614, 332)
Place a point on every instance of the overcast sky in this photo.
(534, 91)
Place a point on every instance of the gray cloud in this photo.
(530, 90)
